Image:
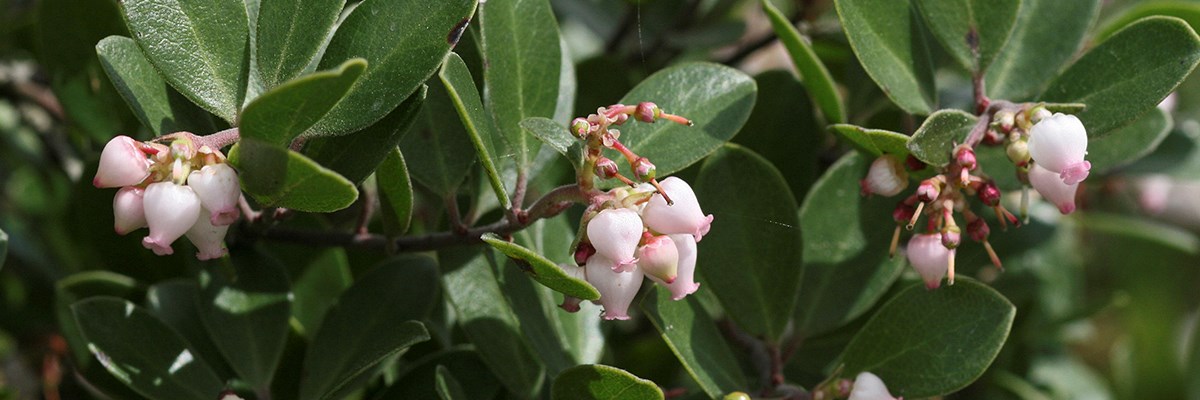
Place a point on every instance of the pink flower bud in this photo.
(570, 303)
(643, 170)
(1006, 120)
(1058, 144)
(615, 234)
(951, 237)
(929, 258)
(867, 386)
(646, 112)
(929, 190)
(685, 280)
(989, 194)
(217, 186)
(965, 157)
(617, 289)
(580, 127)
(209, 239)
(170, 211)
(978, 230)
(605, 168)
(886, 177)
(122, 163)
(1050, 186)
(659, 258)
(128, 211)
(684, 216)
(903, 213)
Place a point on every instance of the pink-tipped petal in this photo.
(129, 213)
(219, 190)
(1075, 172)
(170, 211)
(122, 163)
(929, 258)
(1058, 141)
(615, 234)
(659, 259)
(617, 289)
(1052, 187)
(886, 177)
(684, 216)
(209, 239)
(685, 278)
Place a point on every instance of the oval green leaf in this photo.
(289, 34)
(376, 318)
(542, 270)
(1042, 42)
(395, 194)
(889, 40)
(278, 177)
(1127, 75)
(158, 365)
(927, 343)
(812, 71)
(756, 228)
(488, 142)
(201, 48)
(405, 42)
(357, 155)
(176, 303)
(1184, 10)
(874, 142)
(784, 129)
(157, 105)
(419, 381)
(972, 31)
(602, 382)
(438, 149)
(1129, 144)
(847, 268)
(935, 139)
(694, 338)
(80, 286)
(279, 115)
(556, 136)
(246, 313)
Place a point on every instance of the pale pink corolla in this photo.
(129, 212)
(615, 234)
(217, 186)
(929, 258)
(122, 163)
(684, 216)
(170, 211)
(209, 239)
(867, 386)
(1058, 144)
(886, 177)
(659, 258)
(617, 289)
(685, 279)
(1048, 184)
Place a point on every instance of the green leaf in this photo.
(556, 136)
(816, 77)
(457, 79)
(471, 280)
(246, 311)
(289, 34)
(1160, 234)
(375, 319)
(1042, 42)
(3, 247)
(926, 343)
(972, 31)
(279, 115)
(438, 149)
(755, 227)
(405, 42)
(536, 313)
(939, 134)
(158, 364)
(889, 40)
(602, 382)
(395, 194)
(176, 302)
(419, 381)
(718, 99)
(1129, 144)
(201, 48)
(521, 50)
(1186, 11)
(83, 285)
(695, 340)
(784, 129)
(448, 387)
(874, 142)
(325, 278)
(847, 268)
(542, 270)
(156, 105)
(277, 177)
(357, 155)
(1124, 77)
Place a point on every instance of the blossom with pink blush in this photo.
(684, 216)
(659, 258)
(218, 188)
(209, 239)
(929, 258)
(170, 211)
(868, 386)
(615, 234)
(1048, 184)
(685, 280)
(129, 212)
(886, 177)
(122, 163)
(1058, 144)
(617, 289)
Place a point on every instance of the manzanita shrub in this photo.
(599, 199)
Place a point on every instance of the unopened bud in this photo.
(606, 168)
(647, 111)
(620, 119)
(886, 177)
(903, 213)
(993, 138)
(951, 237)
(989, 194)
(1005, 120)
(978, 230)
(929, 190)
(643, 170)
(580, 127)
(1038, 114)
(1018, 152)
(965, 157)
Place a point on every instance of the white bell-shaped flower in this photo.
(659, 258)
(217, 186)
(170, 211)
(684, 216)
(886, 177)
(1058, 144)
(122, 163)
(615, 234)
(685, 279)
(128, 211)
(867, 386)
(929, 258)
(1048, 184)
(209, 239)
(617, 289)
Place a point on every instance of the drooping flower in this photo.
(685, 281)
(1058, 144)
(929, 258)
(684, 216)
(217, 186)
(209, 239)
(886, 177)
(615, 234)
(659, 258)
(617, 289)
(170, 211)
(122, 163)
(867, 386)
(1053, 189)
(128, 211)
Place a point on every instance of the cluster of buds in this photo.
(1048, 151)
(646, 229)
(175, 189)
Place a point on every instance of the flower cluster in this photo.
(1048, 151)
(175, 190)
(647, 229)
